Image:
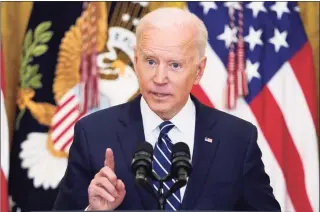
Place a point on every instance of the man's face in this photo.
(167, 64)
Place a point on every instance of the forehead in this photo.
(171, 42)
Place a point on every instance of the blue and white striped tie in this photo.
(162, 164)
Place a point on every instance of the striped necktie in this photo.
(162, 164)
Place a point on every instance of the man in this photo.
(228, 173)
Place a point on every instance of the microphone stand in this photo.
(160, 196)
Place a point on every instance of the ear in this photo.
(200, 70)
(135, 59)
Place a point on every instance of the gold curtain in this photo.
(14, 20)
(310, 17)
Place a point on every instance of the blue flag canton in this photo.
(272, 31)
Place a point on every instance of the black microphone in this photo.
(181, 166)
(142, 162)
(141, 166)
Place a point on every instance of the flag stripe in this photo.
(64, 103)
(4, 135)
(201, 95)
(295, 111)
(4, 139)
(4, 195)
(214, 80)
(66, 96)
(68, 147)
(3, 87)
(306, 78)
(65, 137)
(67, 143)
(267, 112)
(59, 118)
(68, 121)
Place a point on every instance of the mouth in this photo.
(160, 96)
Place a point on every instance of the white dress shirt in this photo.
(183, 130)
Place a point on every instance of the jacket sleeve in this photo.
(257, 192)
(73, 189)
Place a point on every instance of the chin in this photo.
(159, 107)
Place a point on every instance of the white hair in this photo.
(169, 17)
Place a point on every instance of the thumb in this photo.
(109, 159)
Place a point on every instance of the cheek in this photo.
(183, 82)
(144, 77)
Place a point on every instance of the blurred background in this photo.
(51, 52)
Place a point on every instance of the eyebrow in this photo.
(146, 54)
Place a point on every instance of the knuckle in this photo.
(112, 190)
(92, 182)
(102, 171)
(105, 170)
(91, 190)
(97, 174)
(113, 178)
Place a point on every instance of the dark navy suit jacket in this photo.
(228, 174)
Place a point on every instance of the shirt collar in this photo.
(185, 117)
(181, 120)
(150, 120)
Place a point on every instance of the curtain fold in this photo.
(309, 12)
(14, 20)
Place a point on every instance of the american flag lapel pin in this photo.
(207, 139)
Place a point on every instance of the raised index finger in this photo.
(109, 159)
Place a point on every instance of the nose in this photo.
(161, 75)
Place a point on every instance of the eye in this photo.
(175, 65)
(151, 62)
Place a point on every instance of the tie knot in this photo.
(165, 127)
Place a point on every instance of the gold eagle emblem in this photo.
(67, 74)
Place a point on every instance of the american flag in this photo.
(4, 142)
(281, 99)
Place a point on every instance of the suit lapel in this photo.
(203, 154)
(130, 133)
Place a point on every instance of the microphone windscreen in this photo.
(181, 147)
(144, 146)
